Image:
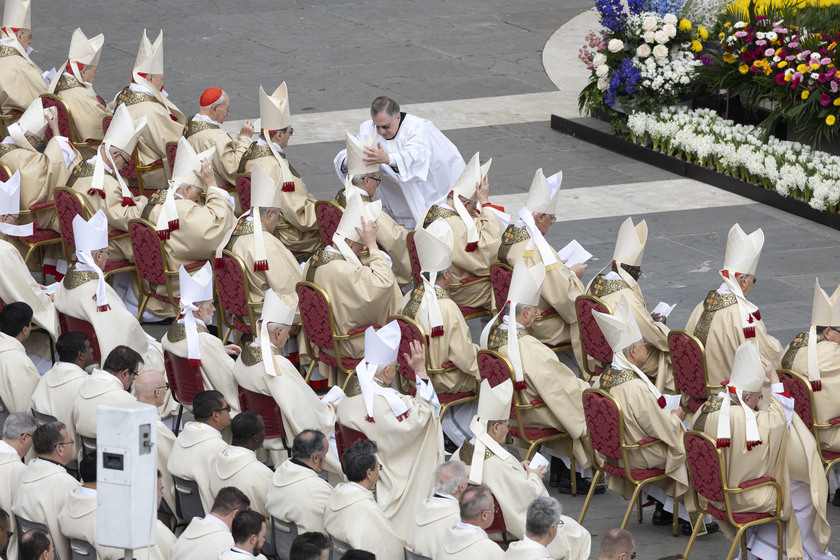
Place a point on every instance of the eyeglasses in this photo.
(164, 386)
(385, 126)
(378, 181)
(560, 523)
(633, 555)
(225, 409)
(833, 329)
(133, 373)
(380, 466)
(290, 131)
(65, 443)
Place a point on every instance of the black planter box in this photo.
(593, 131)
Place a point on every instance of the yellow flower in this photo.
(721, 36)
(744, 69)
(815, 66)
(703, 33)
(802, 68)
(696, 45)
(782, 64)
(728, 58)
(805, 94)
(685, 25)
(727, 25)
(837, 102)
(788, 77)
(829, 120)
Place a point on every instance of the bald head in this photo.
(150, 387)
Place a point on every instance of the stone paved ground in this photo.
(338, 55)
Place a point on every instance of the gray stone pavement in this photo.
(338, 55)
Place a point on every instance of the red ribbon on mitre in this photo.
(218, 263)
(749, 332)
(816, 385)
(288, 186)
(520, 386)
(128, 201)
(661, 401)
(194, 363)
(260, 266)
(403, 416)
(163, 234)
(471, 247)
(723, 442)
(174, 224)
(370, 419)
(93, 192)
(437, 331)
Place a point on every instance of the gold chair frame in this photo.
(78, 143)
(252, 305)
(740, 535)
(636, 498)
(711, 390)
(586, 357)
(167, 272)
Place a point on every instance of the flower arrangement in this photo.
(703, 137)
(642, 60)
(784, 58)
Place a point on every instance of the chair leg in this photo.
(531, 450)
(573, 467)
(736, 542)
(310, 369)
(589, 495)
(639, 508)
(694, 531)
(636, 497)
(676, 515)
(781, 539)
(142, 306)
(178, 421)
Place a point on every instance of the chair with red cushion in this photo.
(328, 213)
(708, 479)
(321, 333)
(68, 204)
(344, 438)
(592, 340)
(495, 368)
(135, 168)
(152, 265)
(500, 276)
(66, 126)
(67, 323)
(232, 285)
(7, 117)
(410, 331)
(802, 391)
(605, 422)
(268, 410)
(243, 190)
(498, 525)
(690, 372)
(171, 153)
(413, 258)
(470, 312)
(185, 381)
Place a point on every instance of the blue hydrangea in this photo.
(612, 14)
(625, 78)
(663, 7)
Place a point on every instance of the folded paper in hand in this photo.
(334, 395)
(663, 309)
(537, 462)
(574, 253)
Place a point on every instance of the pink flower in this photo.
(825, 99)
(780, 79)
(793, 44)
(833, 86)
(769, 52)
(740, 34)
(761, 42)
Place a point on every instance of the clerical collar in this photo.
(300, 463)
(143, 89)
(8, 140)
(402, 120)
(6, 448)
(213, 519)
(47, 461)
(197, 321)
(84, 491)
(469, 527)
(358, 486)
(445, 496)
(724, 289)
(262, 142)
(205, 118)
(612, 275)
(239, 550)
(506, 323)
(93, 160)
(12, 43)
(332, 249)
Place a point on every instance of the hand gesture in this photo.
(769, 370)
(540, 472)
(368, 233)
(51, 114)
(206, 173)
(658, 318)
(579, 269)
(376, 156)
(247, 129)
(482, 192)
(417, 359)
(233, 350)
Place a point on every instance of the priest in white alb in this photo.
(418, 163)
(406, 429)
(622, 281)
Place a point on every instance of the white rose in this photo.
(603, 84)
(649, 23)
(599, 59)
(602, 70)
(669, 29)
(643, 51)
(660, 36)
(648, 36)
(670, 18)
(660, 51)
(615, 45)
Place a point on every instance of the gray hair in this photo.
(384, 104)
(543, 514)
(265, 210)
(18, 424)
(449, 477)
(359, 179)
(474, 500)
(520, 308)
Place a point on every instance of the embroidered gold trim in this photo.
(711, 405)
(82, 169)
(6, 148)
(511, 237)
(353, 388)
(341, 200)
(467, 450)
(801, 341)
(254, 151)
(602, 287)
(131, 97)
(178, 331)
(67, 82)
(9, 51)
(713, 303)
(613, 377)
(252, 355)
(436, 212)
(157, 197)
(75, 278)
(499, 337)
(320, 258)
(194, 127)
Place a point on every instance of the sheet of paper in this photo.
(50, 289)
(334, 395)
(663, 308)
(538, 461)
(574, 253)
(672, 402)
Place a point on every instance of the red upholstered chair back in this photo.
(498, 525)
(704, 463)
(409, 331)
(67, 205)
(232, 285)
(495, 368)
(689, 363)
(171, 152)
(328, 213)
(413, 258)
(268, 410)
(800, 391)
(63, 117)
(594, 343)
(243, 189)
(500, 275)
(184, 379)
(603, 420)
(344, 438)
(67, 323)
(2, 304)
(130, 170)
(148, 252)
(315, 314)
(4, 173)
(106, 122)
